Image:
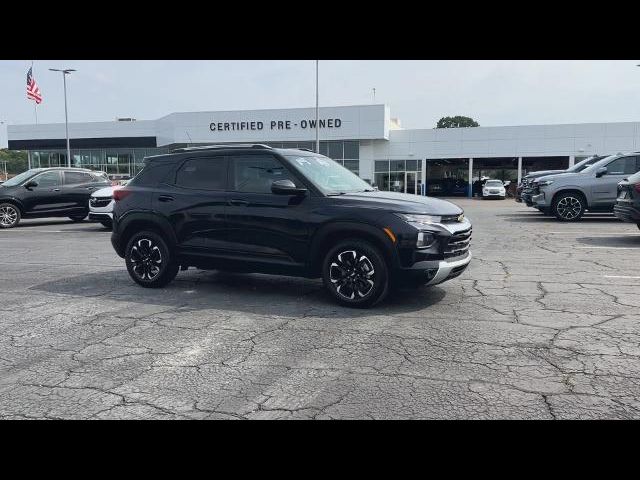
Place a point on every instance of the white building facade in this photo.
(364, 138)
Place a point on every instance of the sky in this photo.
(494, 93)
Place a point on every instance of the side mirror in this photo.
(287, 187)
(30, 184)
(601, 171)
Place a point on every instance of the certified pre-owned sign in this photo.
(275, 125)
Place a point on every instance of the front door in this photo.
(262, 225)
(46, 197)
(605, 188)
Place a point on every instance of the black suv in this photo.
(49, 192)
(252, 208)
(627, 207)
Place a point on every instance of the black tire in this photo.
(9, 215)
(107, 224)
(638, 226)
(569, 207)
(355, 273)
(149, 261)
(78, 218)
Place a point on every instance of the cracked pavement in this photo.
(545, 324)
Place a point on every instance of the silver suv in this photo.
(569, 195)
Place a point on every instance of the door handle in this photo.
(238, 203)
(165, 198)
(55, 190)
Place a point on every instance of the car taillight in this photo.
(636, 187)
(120, 193)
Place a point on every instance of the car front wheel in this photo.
(149, 261)
(9, 215)
(355, 273)
(569, 207)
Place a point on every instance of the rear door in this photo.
(193, 199)
(77, 189)
(605, 188)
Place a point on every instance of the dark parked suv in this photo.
(627, 207)
(253, 208)
(49, 192)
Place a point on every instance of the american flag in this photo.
(33, 92)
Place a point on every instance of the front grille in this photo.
(458, 244)
(100, 201)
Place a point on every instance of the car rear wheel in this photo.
(638, 226)
(355, 273)
(569, 207)
(9, 215)
(106, 223)
(149, 261)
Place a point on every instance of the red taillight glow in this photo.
(636, 187)
(120, 193)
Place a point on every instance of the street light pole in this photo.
(317, 114)
(65, 72)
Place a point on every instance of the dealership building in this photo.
(366, 139)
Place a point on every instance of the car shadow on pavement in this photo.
(536, 217)
(619, 241)
(236, 292)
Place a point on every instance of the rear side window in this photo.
(203, 173)
(76, 178)
(152, 173)
(622, 166)
(100, 177)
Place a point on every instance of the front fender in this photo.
(14, 200)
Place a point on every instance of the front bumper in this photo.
(627, 212)
(450, 269)
(539, 200)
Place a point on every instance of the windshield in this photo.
(599, 163)
(18, 179)
(493, 183)
(580, 166)
(330, 177)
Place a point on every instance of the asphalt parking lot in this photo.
(545, 324)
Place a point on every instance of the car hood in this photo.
(543, 173)
(560, 176)
(401, 203)
(104, 192)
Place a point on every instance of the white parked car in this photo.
(101, 205)
(494, 189)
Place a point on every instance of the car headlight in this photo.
(420, 219)
(544, 183)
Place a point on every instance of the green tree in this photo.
(16, 161)
(456, 122)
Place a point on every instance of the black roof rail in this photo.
(218, 147)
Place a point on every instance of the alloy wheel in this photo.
(146, 259)
(352, 274)
(8, 216)
(569, 208)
